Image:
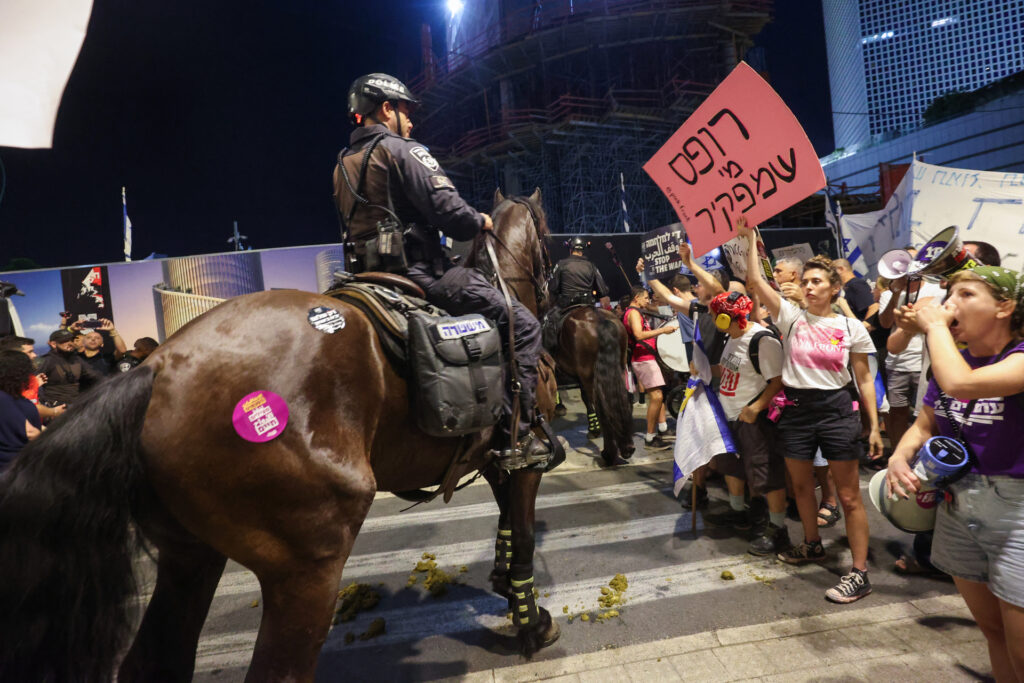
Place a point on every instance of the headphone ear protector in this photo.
(723, 321)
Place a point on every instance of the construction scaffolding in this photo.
(574, 96)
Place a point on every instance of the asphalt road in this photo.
(591, 524)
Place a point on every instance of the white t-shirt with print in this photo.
(740, 383)
(818, 349)
(910, 359)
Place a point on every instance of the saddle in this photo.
(551, 329)
(387, 300)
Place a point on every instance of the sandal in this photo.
(907, 565)
(828, 515)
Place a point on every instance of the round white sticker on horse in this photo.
(423, 156)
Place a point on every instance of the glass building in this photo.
(890, 59)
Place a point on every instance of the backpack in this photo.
(755, 346)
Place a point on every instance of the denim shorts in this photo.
(980, 536)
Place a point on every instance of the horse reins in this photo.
(516, 385)
(538, 285)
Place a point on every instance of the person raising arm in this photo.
(818, 345)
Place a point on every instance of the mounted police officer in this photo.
(390, 191)
(574, 282)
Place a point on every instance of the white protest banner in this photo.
(802, 252)
(660, 250)
(742, 153)
(987, 206)
(736, 254)
(39, 43)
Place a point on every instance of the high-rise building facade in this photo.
(906, 53)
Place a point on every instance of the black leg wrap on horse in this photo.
(502, 562)
(524, 605)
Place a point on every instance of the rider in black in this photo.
(574, 282)
(386, 181)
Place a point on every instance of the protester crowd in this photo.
(34, 390)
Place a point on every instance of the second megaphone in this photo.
(894, 264)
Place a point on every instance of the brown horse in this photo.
(151, 457)
(592, 348)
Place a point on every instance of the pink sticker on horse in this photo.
(819, 348)
(260, 416)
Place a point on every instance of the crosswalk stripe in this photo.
(490, 508)
(470, 552)
(488, 612)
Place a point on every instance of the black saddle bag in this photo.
(385, 250)
(457, 373)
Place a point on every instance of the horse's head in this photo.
(521, 228)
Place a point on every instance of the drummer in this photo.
(645, 366)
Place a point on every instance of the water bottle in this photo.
(940, 456)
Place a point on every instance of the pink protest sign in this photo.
(260, 416)
(741, 153)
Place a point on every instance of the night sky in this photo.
(211, 112)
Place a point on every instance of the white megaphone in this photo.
(894, 264)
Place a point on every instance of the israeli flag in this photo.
(127, 227)
(702, 432)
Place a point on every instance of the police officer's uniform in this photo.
(425, 201)
(573, 283)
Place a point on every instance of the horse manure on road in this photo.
(376, 628)
(436, 580)
(727, 575)
(355, 598)
(612, 596)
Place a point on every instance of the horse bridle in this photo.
(538, 284)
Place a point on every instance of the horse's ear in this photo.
(535, 197)
(498, 196)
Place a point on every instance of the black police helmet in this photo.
(578, 244)
(370, 91)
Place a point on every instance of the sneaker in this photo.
(657, 444)
(667, 435)
(850, 588)
(686, 496)
(803, 553)
(735, 519)
(772, 539)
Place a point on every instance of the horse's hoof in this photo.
(593, 434)
(561, 410)
(533, 639)
(628, 451)
(614, 461)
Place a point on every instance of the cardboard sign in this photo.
(736, 254)
(801, 252)
(741, 153)
(660, 250)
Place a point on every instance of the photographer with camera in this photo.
(977, 398)
(95, 351)
(67, 374)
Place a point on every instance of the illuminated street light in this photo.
(455, 6)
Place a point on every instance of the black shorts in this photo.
(760, 463)
(822, 418)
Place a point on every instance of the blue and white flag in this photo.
(702, 432)
(622, 195)
(127, 227)
(848, 249)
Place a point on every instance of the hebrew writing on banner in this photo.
(742, 153)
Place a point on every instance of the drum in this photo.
(672, 352)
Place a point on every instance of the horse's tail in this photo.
(613, 406)
(66, 543)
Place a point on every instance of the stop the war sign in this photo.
(742, 153)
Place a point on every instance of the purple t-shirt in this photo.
(993, 429)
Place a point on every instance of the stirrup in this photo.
(527, 453)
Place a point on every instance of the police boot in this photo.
(529, 451)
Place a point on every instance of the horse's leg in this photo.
(587, 394)
(165, 645)
(536, 628)
(501, 486)
(297, 608)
